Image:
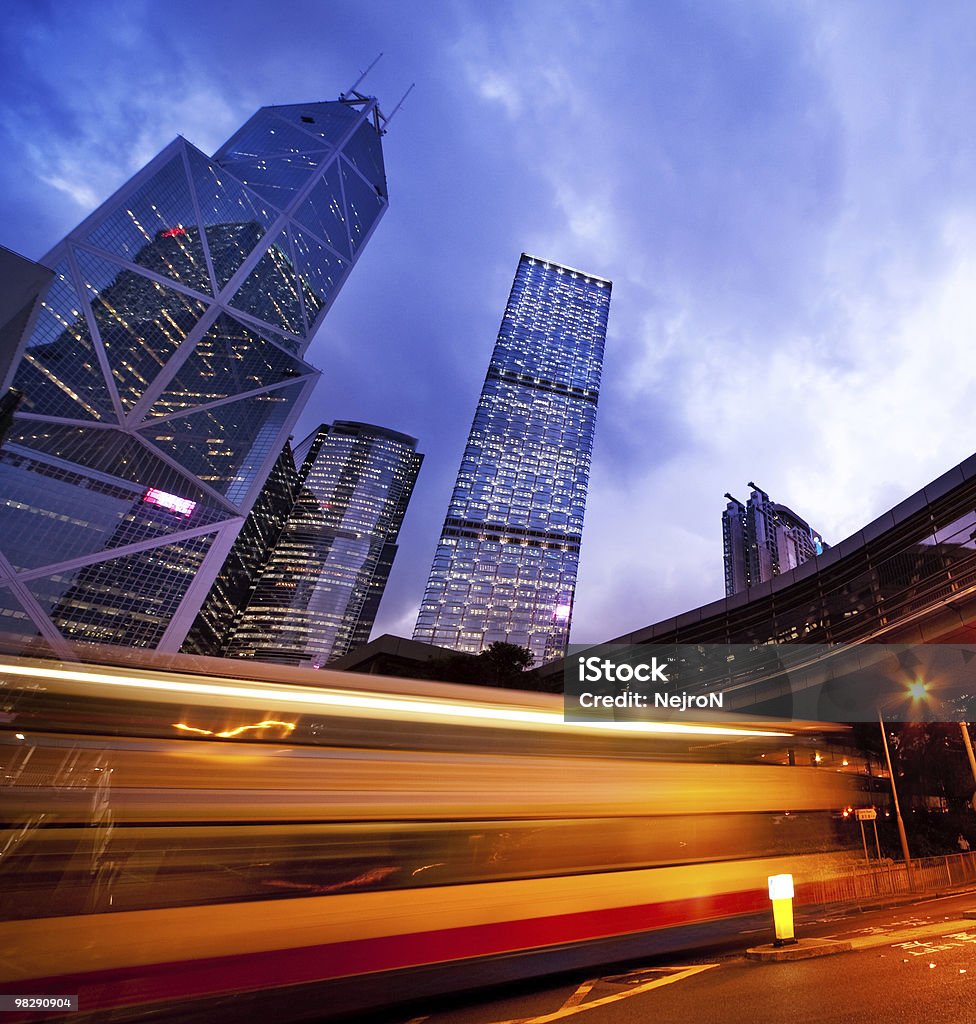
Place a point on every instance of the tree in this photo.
(500, 664)
(505, 663)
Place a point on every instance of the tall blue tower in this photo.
(505, 566)
(164, 371)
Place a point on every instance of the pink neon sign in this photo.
(170, 502)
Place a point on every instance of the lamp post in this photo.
(894, 796)
(969, 750)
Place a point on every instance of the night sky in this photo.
(783, 194)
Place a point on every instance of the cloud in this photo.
(787, 228)
(82, 195)
(492, 86)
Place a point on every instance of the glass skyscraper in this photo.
(505, 566)
(164, 371)
(234, 584)
(318, 593)
(763, 539)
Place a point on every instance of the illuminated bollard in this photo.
(781, 893)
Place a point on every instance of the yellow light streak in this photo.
(231, 733)
(361, 700)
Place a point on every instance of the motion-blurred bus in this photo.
(180, 846)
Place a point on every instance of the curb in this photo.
(802, 949)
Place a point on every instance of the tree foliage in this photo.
(500, 664)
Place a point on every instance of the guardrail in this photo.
(891, 878)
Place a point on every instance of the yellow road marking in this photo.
(579, 995)
(573, 1005)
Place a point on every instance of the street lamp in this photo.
(918, 690)
(969, 751)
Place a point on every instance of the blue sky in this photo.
(784, 195)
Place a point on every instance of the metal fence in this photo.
(891, 878)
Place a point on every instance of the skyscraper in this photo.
(232, 589)
(164, 370)
(318, 593)
(762, 539)
(505, 566)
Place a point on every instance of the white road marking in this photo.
(936, 899)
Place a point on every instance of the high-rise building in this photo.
(164, 371)
(762, 539)
(318, 592)
(505, 566)
(232, 589)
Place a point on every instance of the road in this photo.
(911, 963)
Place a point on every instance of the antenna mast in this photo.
(352, 88)
(387, 120)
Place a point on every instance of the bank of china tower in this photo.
(164, 371)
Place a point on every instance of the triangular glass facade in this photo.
(60, 374)
(329, 122)
(230, 359)
(18, 631)
(319, 271)
(365, 153)
(141, 323)
(270, 292)
(363, 205)
(235, 219)
(174, 328)
(225, 445)
(324, 212)
(274, 157)
(128, 600)
(157, 228)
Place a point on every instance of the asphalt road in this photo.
(912, 964)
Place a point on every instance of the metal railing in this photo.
(891, 878)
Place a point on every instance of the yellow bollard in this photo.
(781, 893)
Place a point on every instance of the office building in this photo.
(164, 371)
(505, 566)
(232, 589)
(318, 593)
(763, 539)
